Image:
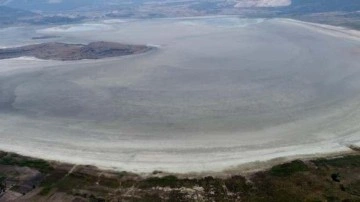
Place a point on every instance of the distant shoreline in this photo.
(335, 31)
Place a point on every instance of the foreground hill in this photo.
(62, 51)
(28, 179)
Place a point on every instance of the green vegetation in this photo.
(64, 182)
(287, 169)
(16, 160)
(237, 184)
(76, 181)
(109, 182)
(353, 188)
(346, 161)
(167, 181)
(46, 190)
(51, 180)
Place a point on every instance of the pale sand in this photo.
(336, 31)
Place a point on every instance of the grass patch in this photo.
(51, 181)
(177, 196)
(2, 178)
(76, 181)
(53, 177)
(128, 183)
(58, 179)
(15, 160)
(353, 188)
(2, 154)
(109, 182)
(122, 174)
(288, 169)
(46, 190)
(213, 187)
(167, 181)
(237, 184)
(342, 162)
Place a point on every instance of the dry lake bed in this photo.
(217, 92)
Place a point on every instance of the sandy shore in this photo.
(336, 31)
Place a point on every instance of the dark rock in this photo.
(335, 177)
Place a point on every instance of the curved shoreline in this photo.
(260, 161)
(336, 31)
(39, 180)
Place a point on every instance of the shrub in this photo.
(288, 169)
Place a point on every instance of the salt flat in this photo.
(218, 92)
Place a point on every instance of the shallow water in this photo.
(217, 93)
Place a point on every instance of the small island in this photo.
(69, 52)
(45, 37)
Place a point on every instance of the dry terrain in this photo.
(325, 179)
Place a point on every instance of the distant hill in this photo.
(316, 6)
(48, 5)
(65, 5)
(343, 13)
(296, 7)
(9, 16)
(7, 12)
(74, 11)
(12, 16)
